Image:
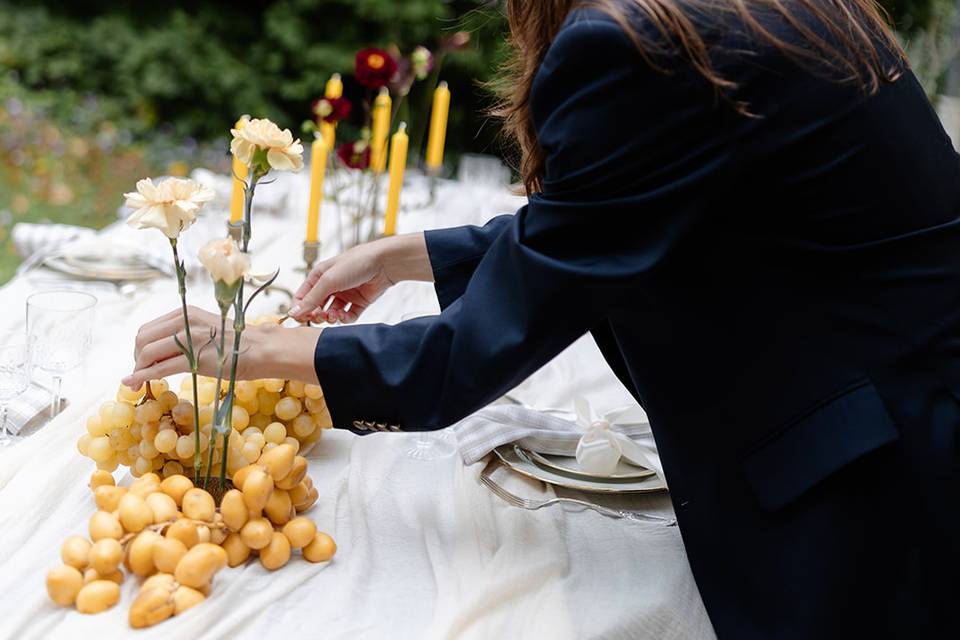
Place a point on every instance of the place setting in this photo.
(56, 341)
(582, 454)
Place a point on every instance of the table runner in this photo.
(425, 551)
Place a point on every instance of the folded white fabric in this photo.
(23, 410)
(29, 238)
(595, 442)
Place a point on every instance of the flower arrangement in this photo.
(357, 165)
(171, 206)
(177, 532)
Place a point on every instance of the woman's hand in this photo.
(266, 351)
(354, 279)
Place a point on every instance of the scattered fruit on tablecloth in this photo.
(173, 535)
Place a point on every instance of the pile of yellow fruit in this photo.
(156, 433)
(172, 534)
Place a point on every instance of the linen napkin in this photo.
(29, 238)
(619, 432)
(31, 404)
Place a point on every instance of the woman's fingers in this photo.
(158, 328)
(168, 367)
(314, 299)
(157, 351)
(311, 279)
(353, 313)
(336, 312)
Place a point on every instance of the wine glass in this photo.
(60, 330)
(430, 445)
(14, 377)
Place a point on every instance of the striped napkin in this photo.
(487, 429)
(31, 408)
(29, 238)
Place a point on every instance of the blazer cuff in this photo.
(451, 268)
(342, 376)
(455, 253)
(352, 384)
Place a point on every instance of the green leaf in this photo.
(220, 424)
(260, 290)
(183, 349)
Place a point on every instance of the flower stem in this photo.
(191, 357)
(238, 326)
(221, 360)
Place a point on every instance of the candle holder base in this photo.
(434, 177)
(311, 251)
(235, 231)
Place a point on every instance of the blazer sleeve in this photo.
(630, 155)
(455, 254)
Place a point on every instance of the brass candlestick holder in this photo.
(235, 231)
(311, 251)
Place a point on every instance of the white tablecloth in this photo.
(425, 550)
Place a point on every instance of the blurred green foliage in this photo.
(94, 95)
(192, 67)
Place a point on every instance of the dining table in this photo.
(424, 548)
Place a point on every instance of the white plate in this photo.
(112, 272)
(570, 467)
(513, 457)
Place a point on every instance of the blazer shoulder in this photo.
(587, 34)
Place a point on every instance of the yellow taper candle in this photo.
(239, 176)
(334, 89)
(318, 170)
(438, 128)
(398, 164)
(382, 107)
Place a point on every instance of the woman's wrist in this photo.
(288, 353)
(405, 257)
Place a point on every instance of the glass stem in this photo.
(4, 434)
(57, 394)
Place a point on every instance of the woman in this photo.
(752, 207)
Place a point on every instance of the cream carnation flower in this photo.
(224, 261)
(170, 205)
(283, 152)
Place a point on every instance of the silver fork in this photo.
(486, 477)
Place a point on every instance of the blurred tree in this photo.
(191, 67)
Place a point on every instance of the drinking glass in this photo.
(60, 330)
(14, 377)
(430, 445)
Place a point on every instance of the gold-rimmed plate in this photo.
(568, 466)
(514, 458)
(110, 272)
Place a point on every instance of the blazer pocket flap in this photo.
(813, 447)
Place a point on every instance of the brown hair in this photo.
(857, 37)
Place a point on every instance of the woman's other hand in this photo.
(352, 281)
(266, 350)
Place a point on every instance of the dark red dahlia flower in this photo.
(356, 155)
(332, 110)
(374, 68)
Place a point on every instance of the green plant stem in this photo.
(221, 360)
(182, 285)
(238, 326)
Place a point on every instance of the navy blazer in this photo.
(781, 293)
